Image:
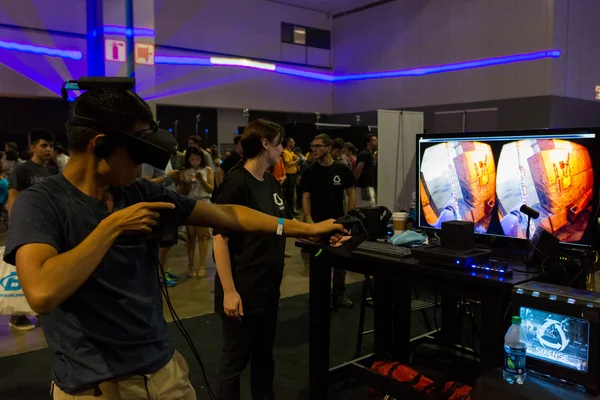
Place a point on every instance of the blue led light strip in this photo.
(326, 77)
(452, 67)
(121, 30)
(378, 75)
(41, 50)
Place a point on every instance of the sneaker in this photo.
(171, 276)
(341, 302)
(168, 282)
(20, 323)
(287, 255)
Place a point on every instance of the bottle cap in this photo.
(516, 320)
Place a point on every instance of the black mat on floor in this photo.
(27, 376)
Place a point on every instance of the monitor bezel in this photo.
(499, 240)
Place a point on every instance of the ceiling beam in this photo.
(362, 8)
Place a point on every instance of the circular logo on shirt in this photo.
(337, 180)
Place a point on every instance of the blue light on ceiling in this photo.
(452, 67)
(304, 74)
(378, 75)
(326, 77)
(41, 50)
(172, 60)
(121, 30)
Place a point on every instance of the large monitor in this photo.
(486, 177)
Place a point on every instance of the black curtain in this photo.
(18, 116)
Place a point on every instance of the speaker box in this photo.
(458, 235)
(544, 245)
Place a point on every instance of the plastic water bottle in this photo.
(412, 212)
(515, 352)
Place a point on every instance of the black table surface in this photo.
(491, 386)
(390, 266)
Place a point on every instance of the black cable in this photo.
(179, 324)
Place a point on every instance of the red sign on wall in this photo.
(114, 50)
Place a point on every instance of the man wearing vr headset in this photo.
(80, 243)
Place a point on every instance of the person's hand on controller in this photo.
(325, 227)
(138, 218)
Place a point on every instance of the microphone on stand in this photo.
(531, 213)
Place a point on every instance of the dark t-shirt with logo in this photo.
(326, 187)
(27, 174)
(368, 176)
(256, 261)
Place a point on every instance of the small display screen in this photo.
(556, 338)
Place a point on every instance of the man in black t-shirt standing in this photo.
(323, 184)
(366, 173)
(22, 177)
(230, 161)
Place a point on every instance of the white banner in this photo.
(12, 299)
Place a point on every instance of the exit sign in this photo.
(597, 92)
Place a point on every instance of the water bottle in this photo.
(515, 352)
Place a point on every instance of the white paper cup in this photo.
(399, 220)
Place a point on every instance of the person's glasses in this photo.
(316, 146)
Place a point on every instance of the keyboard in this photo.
(385, 249)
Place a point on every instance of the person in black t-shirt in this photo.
(230, 161)
(24, 176)
(366, 173)
(323, 184)
(250, 267)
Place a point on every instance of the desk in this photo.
(393, 282)
(491, 386)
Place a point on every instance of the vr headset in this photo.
(151, 146)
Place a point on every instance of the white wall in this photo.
(249, 28)
(407, 34)
(228, 122)
(245, 28)
(577, 32)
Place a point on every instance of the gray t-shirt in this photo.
(27, 174)
(150, 171)
(113, 325)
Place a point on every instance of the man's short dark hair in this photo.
(40, 134)
(12, 155)
(325, 139)
(338, 144)
(11, 145)
(368, 138)
(196, 139)
(123, 110)
(237, 139)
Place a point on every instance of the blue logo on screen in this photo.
(10, 282)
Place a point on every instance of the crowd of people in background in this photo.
(266, 171)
